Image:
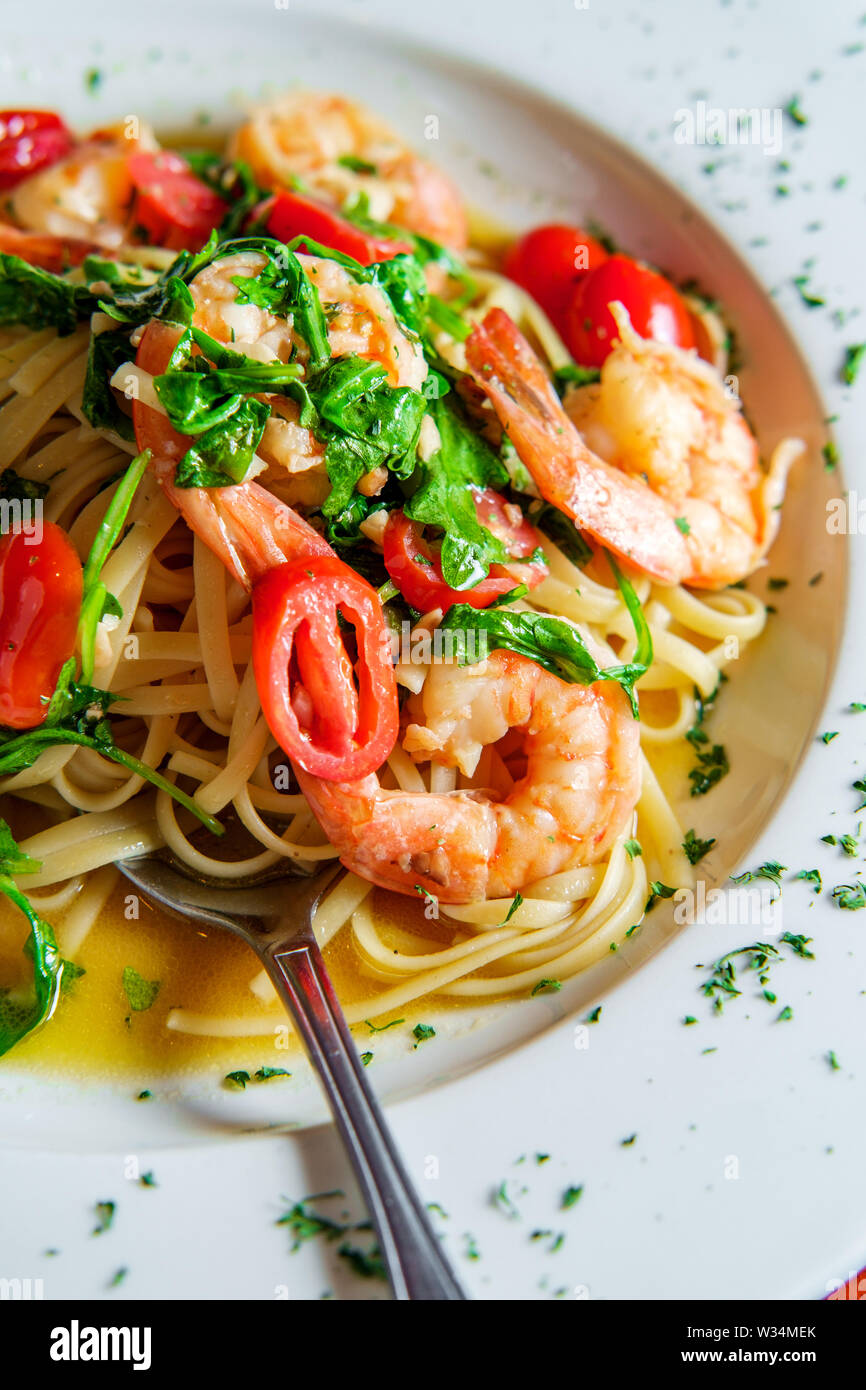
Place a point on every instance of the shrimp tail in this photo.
(615, 508)
(248, 528)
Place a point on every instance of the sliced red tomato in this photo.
(416, 570)
(40, 601)
(654, 307)
(50, 252)
(293, 215)
(30, 141)
(335, 715)
(174, 207)
(549, 262)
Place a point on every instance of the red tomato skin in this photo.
(292, 215)
(295, 615)
(175, 208)
(549, 261)
(422, 584)
(40, 601)
(30, 141)
(655, 309)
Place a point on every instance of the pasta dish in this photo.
(336, 528)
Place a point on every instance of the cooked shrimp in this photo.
(325, 141)
(580, 786)
(52, 253)
(87, 195)
(246, 526)
(655, 462)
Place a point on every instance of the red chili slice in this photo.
(335, 715)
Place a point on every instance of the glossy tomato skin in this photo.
(30, 141)
(654, 307)
(335, 718)
(415, 568)
(173, 207)
(549, 261)
(292, 214)
(40, 602)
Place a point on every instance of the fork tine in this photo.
(160, 878)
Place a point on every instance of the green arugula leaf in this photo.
(222, 455)
(550, 641)
(15, 488)
(106, 352)
(23, 1010)
(40, 299)
(443, 497)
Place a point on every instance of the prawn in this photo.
(338, 149)
(249, 528)
(655, 461)
(580, 786)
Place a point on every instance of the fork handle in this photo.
(416, 1266)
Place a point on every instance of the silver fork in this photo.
(275, 918)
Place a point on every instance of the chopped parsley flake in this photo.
(694, 848)
(812, 876)
(771, 870)
(104, 1217)
(140, 993)
(853, 361)
(545, 987)
(851, 896)
(794, 112)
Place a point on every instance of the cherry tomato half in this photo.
(416, 570)
(40, 602)
(654, 307)
(174, 207)
(30, 141)
(336, 717)
(293, 215)
(550, 261)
